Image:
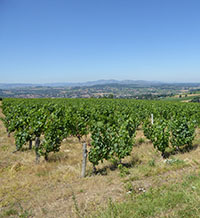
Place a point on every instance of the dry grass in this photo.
(55, 189)
(188, 95)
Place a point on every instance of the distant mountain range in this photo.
(91, 83)
(81, 84)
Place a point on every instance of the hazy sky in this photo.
(83, 40)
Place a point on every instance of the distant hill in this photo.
(137, 83)
(68, 84)
(138, 89)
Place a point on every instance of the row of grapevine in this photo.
(178, 132)
(112, 124)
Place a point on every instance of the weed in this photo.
(129, 187)
(78, 212)
(112, 209)
(10, 212)
(24, 214)
(152, 163)
(123, 170)
(20, 213)
(140, 141)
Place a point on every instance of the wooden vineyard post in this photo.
(84, 159)
(30, 144)
(37, 144)
(8, 132)
(152, 119)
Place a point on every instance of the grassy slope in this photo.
(189, 98)
(175, 200)
(182, 99)
(146, 186)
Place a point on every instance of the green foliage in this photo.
(147, 128)
(160, 135)
(112, 124)
(182, 131)
(53, 132)
(78, 120)
(110, 141)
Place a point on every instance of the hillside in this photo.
(145, 186)
(97, 89)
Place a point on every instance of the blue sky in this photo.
(84, 40)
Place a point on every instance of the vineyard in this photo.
(106, 128)
(112, 125)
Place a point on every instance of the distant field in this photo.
(178, 99)
(182, 99)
